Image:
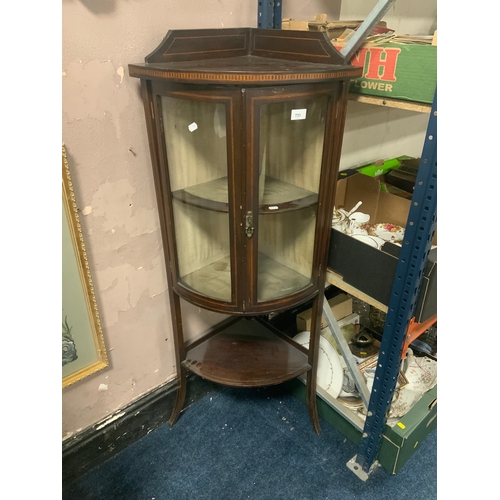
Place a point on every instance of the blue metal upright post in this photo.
(420, 229)
(269, 14)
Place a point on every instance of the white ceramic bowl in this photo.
(388, 232)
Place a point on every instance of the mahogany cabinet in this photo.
(245, 129)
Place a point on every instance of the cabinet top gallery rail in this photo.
(245, 56)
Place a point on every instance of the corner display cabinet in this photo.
(245, 129)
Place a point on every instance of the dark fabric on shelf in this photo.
(259, 444)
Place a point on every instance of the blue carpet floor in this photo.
(259, 444)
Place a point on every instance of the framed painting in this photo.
(83, 348)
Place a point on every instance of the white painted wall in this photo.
(307, 9)
(372, 133)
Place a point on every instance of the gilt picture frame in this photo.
(83, 347)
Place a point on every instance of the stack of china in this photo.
(357, 225)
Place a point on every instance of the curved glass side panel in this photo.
(291, 149)
(195, 136)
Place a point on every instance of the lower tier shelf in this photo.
(246, 353)
(275, 280)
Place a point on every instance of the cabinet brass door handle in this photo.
(249, 224)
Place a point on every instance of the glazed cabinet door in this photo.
(290, 161)
(247, 178)
(196, 130)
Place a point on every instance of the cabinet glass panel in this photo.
(195, 135)
(291, 149)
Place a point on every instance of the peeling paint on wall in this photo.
(90, 90)
(124, 285)
(113, 201)
(120, 71)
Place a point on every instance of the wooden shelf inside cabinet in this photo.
(420, 107)
(278, 196)
(275, 279)
(247, 353)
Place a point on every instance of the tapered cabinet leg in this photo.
(311, 401)
(179, 357)
(311, 380)
(180, 397)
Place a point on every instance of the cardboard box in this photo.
(401, 441)
(333, 29)
(381, 206)
(396, 71)
(369, 269)
(341, 306)
(405, 71)
(294, 24)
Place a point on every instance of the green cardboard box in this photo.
(400, 442)
(396, 71)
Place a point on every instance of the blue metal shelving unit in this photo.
(420, 229)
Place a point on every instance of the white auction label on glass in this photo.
(192, 127)
(299, 114)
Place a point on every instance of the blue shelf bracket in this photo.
(417, 242)
(269, 14)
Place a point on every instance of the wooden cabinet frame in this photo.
(253, 74)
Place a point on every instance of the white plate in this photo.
(330, 375)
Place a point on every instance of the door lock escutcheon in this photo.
(249, 224)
